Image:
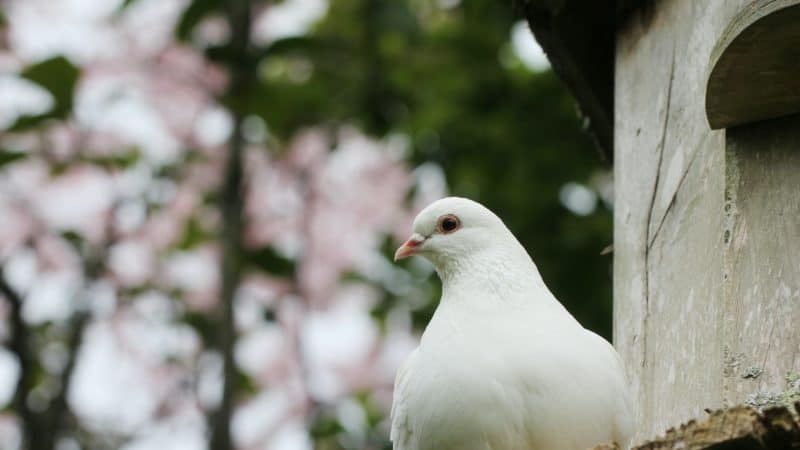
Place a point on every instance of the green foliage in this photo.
(58, 76)
(194, 234)
(197, 11)
(445, 78)
(269, 315)
(203, 324)
(116, 160)
(325, 426)
(8, 157)
(505, 136)
(244, 385)
(125, 5)
(75, 239)
(269, 261)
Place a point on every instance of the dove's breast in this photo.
(452, 406)
(511, 387)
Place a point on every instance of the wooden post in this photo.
(707, 222)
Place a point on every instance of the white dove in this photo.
(502, 365)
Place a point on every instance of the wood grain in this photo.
(669, 177)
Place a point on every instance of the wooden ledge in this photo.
(737, 428)
(755, 66)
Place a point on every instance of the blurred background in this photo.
(199, 201)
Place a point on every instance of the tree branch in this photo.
(59, 410)
(20, 346)
(239, 18)
(41, 429)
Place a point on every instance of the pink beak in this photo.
(409, 248)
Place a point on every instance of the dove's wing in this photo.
(623, 419)
(401, 431)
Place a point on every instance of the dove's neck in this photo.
(503, 274)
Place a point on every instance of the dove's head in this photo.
(454, 229)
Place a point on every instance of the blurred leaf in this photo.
(268, 260)
(195, 13)
(58, 76)
(354, 277)
(408, 200)
(8, 157)
(305, 45)
(375, 414)
(58, 168)
(220, 53)
(397, 18)
(422, 315)
(117, 160)
(324, 425)
(193, 235)
(27, 122)
(269, 315)
(380, 310)
(244, 384)
(388, 247)
(203, 324)
(74, 238)
(125, 4)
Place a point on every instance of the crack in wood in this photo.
(661, 145)
(674, 195)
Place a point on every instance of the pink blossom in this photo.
(327, 201)
(131, 262)
(55, 253)
(338, 340)
(18, 227)
(196, 273)
(77, 200)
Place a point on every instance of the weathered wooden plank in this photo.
(706, 260)
(762, 260)
(669, 184)
(754, 66)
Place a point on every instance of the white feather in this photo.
(502, 365)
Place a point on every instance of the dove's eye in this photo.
(448, 224)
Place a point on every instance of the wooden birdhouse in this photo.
(698, 105)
